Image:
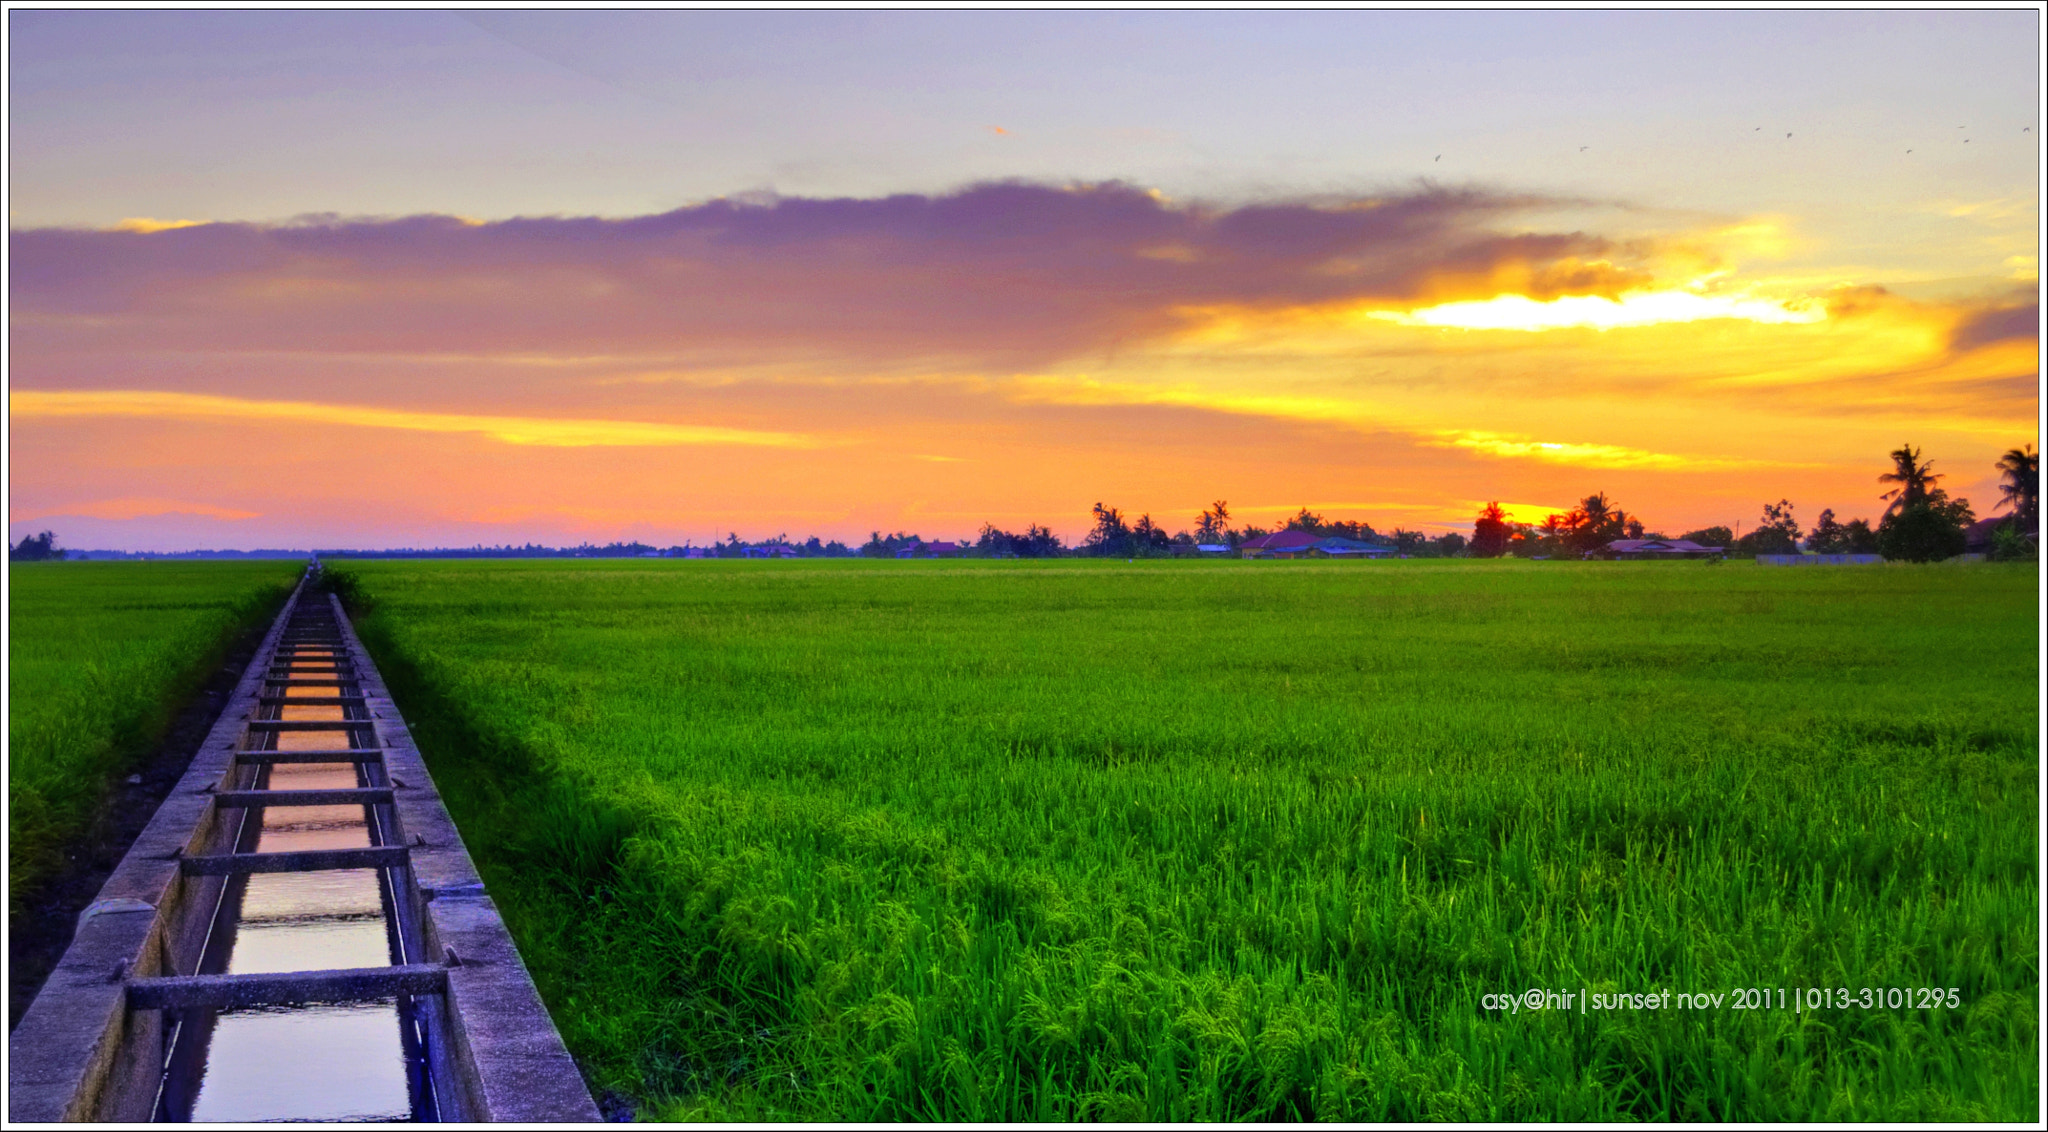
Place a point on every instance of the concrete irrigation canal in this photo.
(298, 934)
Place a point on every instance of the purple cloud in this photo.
(1982, 328)
(1001, 274)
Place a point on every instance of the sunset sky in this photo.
(335, 279)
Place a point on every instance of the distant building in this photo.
(930, 550)
(1349, 548)
(1301, 544)
(1279, 544)
(1212, 548)
(1977, 536)
(1819, 559)
(1651, 548)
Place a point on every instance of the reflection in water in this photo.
(311, 1062)
(311, 921)
(306, 1063)
(312, 741)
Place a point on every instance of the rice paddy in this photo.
(1216, 841)
(100, 657)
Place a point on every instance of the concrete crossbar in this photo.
(329, 755)
(284, 988)
(354, 796)
(300, 861)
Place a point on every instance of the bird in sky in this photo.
(1909, 151)
(1758, 128)
(1582, 149)
(2024, 129)
(1439, 157)
(1788, 135)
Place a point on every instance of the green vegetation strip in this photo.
(100, 657)
(1000, 841)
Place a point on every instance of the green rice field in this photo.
(989, 841)
(101, 655)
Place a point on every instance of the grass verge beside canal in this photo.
(100, 657)
(1000, 841)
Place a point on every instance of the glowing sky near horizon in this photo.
(418, 278)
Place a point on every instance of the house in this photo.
(1636, 549)
(769, 551)
(1301, 544)
(1819, 559)
(1349, 548)
(1279, 544)
(1977, 536)
(1212, 548)
(929, 550)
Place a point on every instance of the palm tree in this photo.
(2022, 486)
(1915, 479)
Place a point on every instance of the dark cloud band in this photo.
(1004, 273)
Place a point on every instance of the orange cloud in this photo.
(146, 224)
(1586, 455)
(1600, 312)
(540, 431)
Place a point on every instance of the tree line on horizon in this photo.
(1921, 524)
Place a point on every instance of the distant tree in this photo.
(1408, 542)
(1923, 532)
(1832, 537)
(879, 546)
(2009, 545)
(35, 548)
(1633, 528)
(1922, 524)
(2021, 470)
(1247, 534)
(1035, 542)
(1214, 524)
(1827, 536)
(1452, 545)
(1778, 534)
(1594, 523)
(1711, 536)
(1148, 537)
(1915, 479)
(1490, 532)
(1307, 521)
(1524, 541)
(1111, 535)
(1355, 529)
